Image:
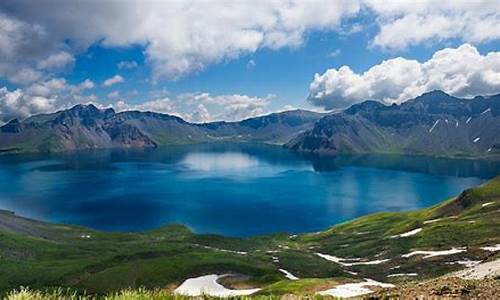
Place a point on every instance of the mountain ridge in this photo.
(87, 127)
(434, 124)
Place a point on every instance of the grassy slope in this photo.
(38, 254)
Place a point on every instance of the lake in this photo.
(230, 189)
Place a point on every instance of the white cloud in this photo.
(41, 97)
(56, 61)
(114, 94)
(86, 84)
(204, 107)
(251, 64)
(407, 22)
(179, 36)
(185, 36)
(113, 80)
(334, 53)
(176, 46)
(127, 64)
(461, 71)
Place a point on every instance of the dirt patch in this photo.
(442, 288)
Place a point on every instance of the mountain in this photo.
(434, 123)
(396, 247)
(87, 127)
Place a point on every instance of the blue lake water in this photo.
(231, 189)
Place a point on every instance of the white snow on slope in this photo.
(488, 110)
(492, 248)
(433, 126)
(340, 260)
(466, 263)
(289, 275)
(407, 234)
(354, 289)
(432, 221)
(429, 254)
(222, 250)
(402, 274)
(208, 285)
(480, 271)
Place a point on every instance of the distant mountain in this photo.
(434, 123)
(87, 127)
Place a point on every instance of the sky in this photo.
(230, 60)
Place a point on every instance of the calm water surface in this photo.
(236, 190)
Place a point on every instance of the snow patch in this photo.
(340, 261)
(429, 254)
(487, 110)
(432, 221)
(402, 274)
(433, 126)
(222, 250)
(492, 248)
(289, 275)
(480, 271)
(409, 233)
(466, 263)
(208, 285)
(354, 289)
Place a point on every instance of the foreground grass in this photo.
(128, 294)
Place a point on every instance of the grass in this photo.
(127, 294)
(41, 255)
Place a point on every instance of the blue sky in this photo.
(213, 62)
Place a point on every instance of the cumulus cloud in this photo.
(42, 97)
(251, 64)
(185, 36)
(462, 72)
(114, 95)
(126, 64)
(176, 45)
(56, 61)
(407, 22)
(113, 80)
(179, 36)
(204, 107)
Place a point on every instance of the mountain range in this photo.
(87, 127)
(434, 123)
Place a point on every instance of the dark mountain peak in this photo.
(365, 106)
(83, 108)
(434, 97)
(13, 126)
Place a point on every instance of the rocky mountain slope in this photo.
(382, 250)
(434, 124)
(87, 127)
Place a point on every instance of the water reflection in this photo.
(207, 161)
(232, 189)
